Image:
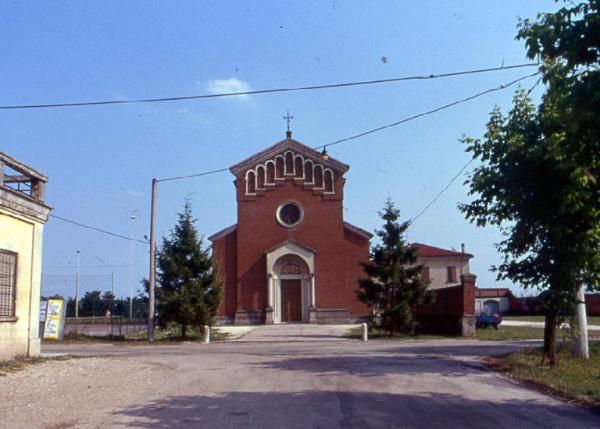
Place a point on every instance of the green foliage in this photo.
(189, 287)
(540, 167)
(394, 286)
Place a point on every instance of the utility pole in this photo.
(580, 341)
(77, 292)
(112, 284)
(131, 219)
(152, 276)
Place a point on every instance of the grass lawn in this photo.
(573, 378)
(592, 320)
(510, 333)
(22, 362)
(378, 334)
(513, 333)
(161, 336)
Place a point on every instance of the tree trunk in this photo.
(550, 356)
(183, 331)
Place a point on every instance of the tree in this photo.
(108, 302)
(540, 171)
(189, 287)
(394, 286)
(91, 304)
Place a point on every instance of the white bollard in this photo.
(206, 338)
(365, 332)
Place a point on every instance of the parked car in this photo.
(484, 320)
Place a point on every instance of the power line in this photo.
(429, 112)
(383, 127)
(95, 266)
(374, 130)
(264, 91)
(444, 189)
(97, 229)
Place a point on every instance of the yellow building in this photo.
(23, 214)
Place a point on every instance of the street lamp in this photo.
(131, 218)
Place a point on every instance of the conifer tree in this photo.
(189, 287)
(394, 287)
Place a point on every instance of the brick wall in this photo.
(453, 310)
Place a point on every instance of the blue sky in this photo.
(100, 160)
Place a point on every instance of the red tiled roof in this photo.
(426, 251)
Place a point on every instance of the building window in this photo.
(451, 275)
(289, 214)
(8, 280)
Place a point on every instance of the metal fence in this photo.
(111, 326)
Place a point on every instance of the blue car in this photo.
(484, 320)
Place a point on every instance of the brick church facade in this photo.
(291, 257)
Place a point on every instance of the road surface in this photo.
(316, 381)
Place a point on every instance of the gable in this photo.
(289, 160)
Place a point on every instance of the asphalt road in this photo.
(316, 381)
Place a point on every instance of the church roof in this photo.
(427, 251)
(223, 233)
(282, 146)
(357, 230)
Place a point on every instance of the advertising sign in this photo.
(54, 327)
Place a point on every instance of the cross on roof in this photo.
(288, 119)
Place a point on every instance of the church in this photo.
(291, 257)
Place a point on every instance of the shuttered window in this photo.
(8, 280)
(451, 275)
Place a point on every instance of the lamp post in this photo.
(77, 292)
(131, 218)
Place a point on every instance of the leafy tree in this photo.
(189, 288)
(540, 168)
(108, 302)
(394, 286)
(91, 304)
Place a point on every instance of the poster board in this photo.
(54, 327)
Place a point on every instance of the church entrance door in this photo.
(291, 300)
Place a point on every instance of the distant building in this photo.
(496, 300)
(443, 268)
(23, 214)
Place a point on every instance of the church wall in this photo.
(224, 251)
(322, 229)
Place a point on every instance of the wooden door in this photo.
(291, 300)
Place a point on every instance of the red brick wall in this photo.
(592, 303)
(338, 251)
(453, 310)
(224, 251)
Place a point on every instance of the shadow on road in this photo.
(328, 409)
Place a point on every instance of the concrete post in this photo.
(365, 332)
(206, 334)
(580, 341)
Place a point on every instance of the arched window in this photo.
(318, 176)
(329, 181)
(250, 182)
(289, 163)
(260, 177)
(298, 166)
(279, 167)
(270, 172)
(308, 171)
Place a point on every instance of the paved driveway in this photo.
(317, 383)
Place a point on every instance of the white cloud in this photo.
(225, 86)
